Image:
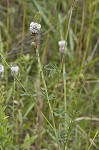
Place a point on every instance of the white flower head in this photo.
(1, 69)
(62, 45)
(15, 69)
(34, 27)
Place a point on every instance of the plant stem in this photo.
(64, 71)
(45, 86)
(39, 120)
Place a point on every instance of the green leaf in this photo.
(31, 105)
(28, 141)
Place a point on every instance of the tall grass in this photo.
(53, 102)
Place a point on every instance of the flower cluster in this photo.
(34, 27)
(15, 69)
(1, 69)
(62, 45)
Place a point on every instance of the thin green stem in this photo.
(23, 26)
(71, 10)
(45, 86)
(13, 97)
(93, 139)
(64, 78)
(8, 21)
(13, 108)
(64, 71)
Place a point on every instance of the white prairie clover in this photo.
(1, 69)
(34, 27)
(15, 69)
(62, 45)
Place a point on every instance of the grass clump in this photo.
(52, 101)
(5, 137)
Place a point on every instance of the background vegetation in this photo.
(54, 106)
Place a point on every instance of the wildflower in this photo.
(62, 44)
(15, 69)
(1, 69)
(34, 27)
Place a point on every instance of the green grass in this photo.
(53, 102)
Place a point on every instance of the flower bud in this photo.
(34, 45)
(81, 78)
